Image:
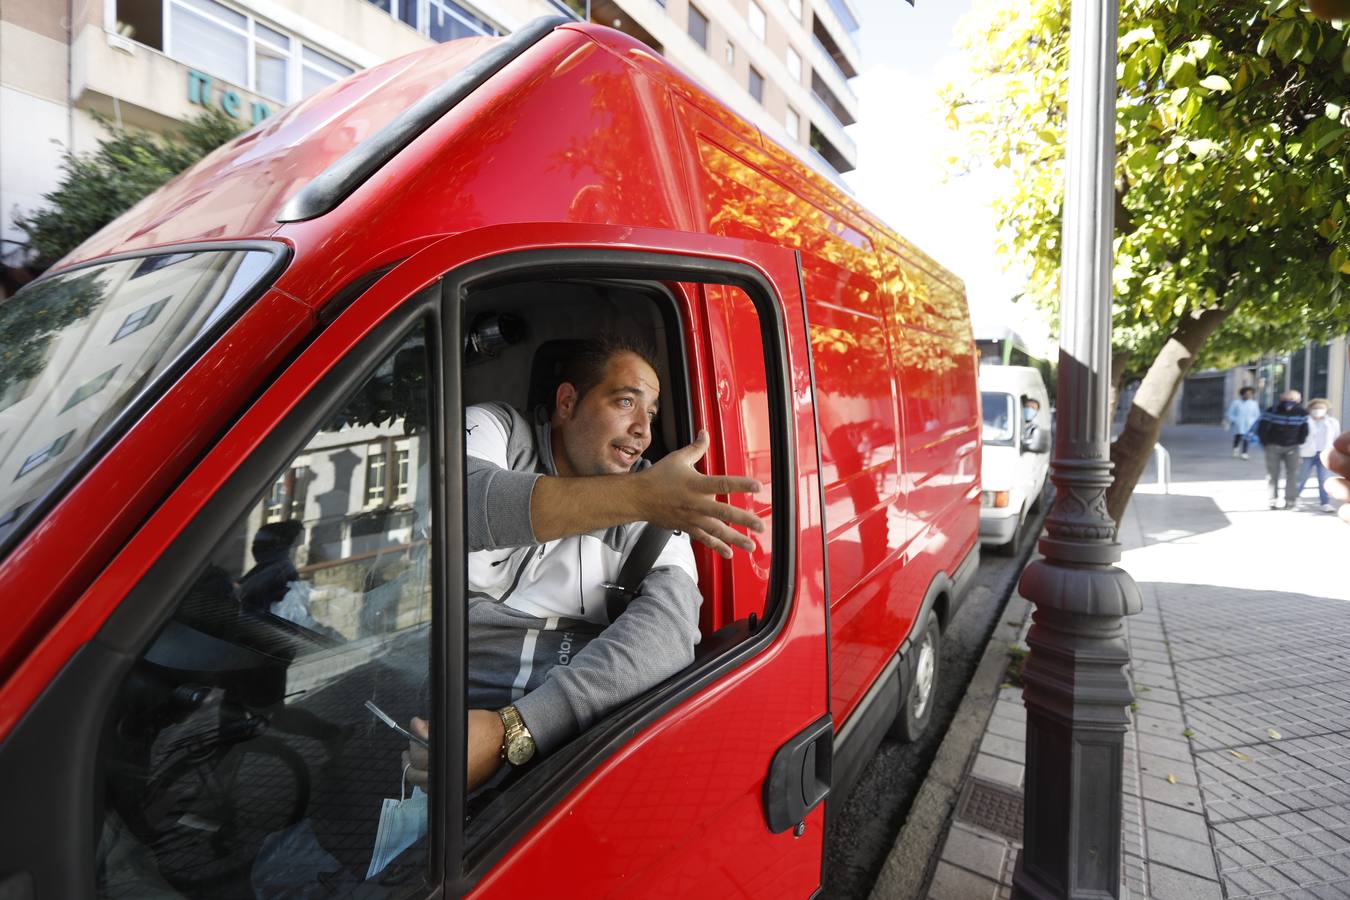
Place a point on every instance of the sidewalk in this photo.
(1237, 766)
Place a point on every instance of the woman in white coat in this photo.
(1322, 430)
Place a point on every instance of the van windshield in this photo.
(998, 417)
(77, 348)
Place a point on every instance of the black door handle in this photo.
(799, 775)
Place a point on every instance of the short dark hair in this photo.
(585, 368)
(1247, 390)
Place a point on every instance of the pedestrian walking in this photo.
(1322, 430)
(1242, 414)
(1282, 429)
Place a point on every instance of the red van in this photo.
(256, 379)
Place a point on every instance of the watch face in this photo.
(519, 750)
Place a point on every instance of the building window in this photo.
(271, 62)
(447, 21)
(377, 465)
(794, 64)
(46, 453)
(230, 45)
(402, 471)
(698, 27)
(794, 124)
(210, 37)
(388, 479)
(440, 20)
(759, 25)
(139, 319)
(756, 85)
(731, 54)
(319, 71)
(90, 388)
(286, 499)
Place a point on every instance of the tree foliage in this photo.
(1233, 125)
(30, 320)
(99, 186)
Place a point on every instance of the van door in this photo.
(697, 786)
(210, 732)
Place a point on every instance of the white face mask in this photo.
(1317, 413)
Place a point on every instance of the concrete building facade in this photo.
(151, 64)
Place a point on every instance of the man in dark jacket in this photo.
(1282, 429)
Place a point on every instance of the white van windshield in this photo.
(77, 348)
(999, 423)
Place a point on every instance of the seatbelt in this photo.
(635, 568)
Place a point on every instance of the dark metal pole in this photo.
(1075, 688)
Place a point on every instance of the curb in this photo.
(909, 866)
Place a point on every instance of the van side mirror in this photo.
(1038, 441)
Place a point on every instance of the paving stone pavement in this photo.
(1237, 762)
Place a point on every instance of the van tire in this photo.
(917, 710)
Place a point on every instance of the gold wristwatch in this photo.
(517, 742)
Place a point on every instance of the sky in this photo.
(909, 53)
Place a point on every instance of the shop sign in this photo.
(200, 92)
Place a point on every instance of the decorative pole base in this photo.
(1076, 691)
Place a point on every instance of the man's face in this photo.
(607, 430)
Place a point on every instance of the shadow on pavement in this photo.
(1156, 512)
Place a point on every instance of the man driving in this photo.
(554, 507)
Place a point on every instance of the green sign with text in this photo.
(200, 91)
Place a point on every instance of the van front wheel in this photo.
(918, 709)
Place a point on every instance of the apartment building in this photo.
(782, 64)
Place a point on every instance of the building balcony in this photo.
(834, 77)
(826, 98)
(836, 40)
(828, 157)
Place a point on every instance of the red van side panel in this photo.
(894, 516)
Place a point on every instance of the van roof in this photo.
(238, 191)
(249, 188)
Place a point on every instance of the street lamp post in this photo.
(1075, 688)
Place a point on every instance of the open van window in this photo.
(532, 609)
(76, 350)
(1000, 422)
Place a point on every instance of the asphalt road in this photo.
(865, 829)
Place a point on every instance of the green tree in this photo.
(99, 186)
(1233, 125)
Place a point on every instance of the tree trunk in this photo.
(1143, 423)
(1119, 360)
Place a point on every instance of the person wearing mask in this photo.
(1282, 429)
(1241, 416)
(1322, 430)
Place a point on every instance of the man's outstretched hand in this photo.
(1337, 460)
(673, 494)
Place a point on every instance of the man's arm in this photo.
(651, 641)
(515, 509)
(671, 494)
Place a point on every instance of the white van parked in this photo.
(1016, 452)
